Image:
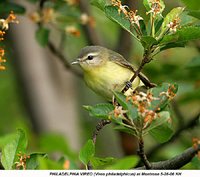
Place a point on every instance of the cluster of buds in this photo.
(143, 101)
(21, 163)
(170, 94)
(196, 144)
(86, 19)
(129, 14)
(73, 31)
(156, 8)
(118, 111)
(2, 53)
(47, 15)
(4, 26)
(174, 25)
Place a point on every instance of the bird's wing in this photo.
(120, 60)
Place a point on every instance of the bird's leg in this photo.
(128, 84)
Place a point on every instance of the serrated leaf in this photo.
(125, 129)
(160, 93)
(98, 3)
(100, 110)
(125, 163)
(87, 152)
(32, 162)
(183, 35)
(127, 105)
(172, 45)
(161, 128)
(113, 14)
(7, 7)
(162, 117)
(148, 41)
(42, 36)
(98, 162)
(171, 16)
(192, 4)
(17, 144)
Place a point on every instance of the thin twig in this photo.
(176, 162)
(63, 59)
(145, 60)
(142, 154)
(99, 126)
(190, 124)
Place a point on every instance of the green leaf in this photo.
(148, 41)
(98, 162)
(183, 35)
(87, 152)
(161, 128)
(113, 14)
(162, 117)
(125, 163)
(127, 105)
(195, 62)
(162, 100)
(32, 162)
(172, 45)
(17, 144)
(55, 143)
(125, 129)
(194, 13)
(7, 7)
(42, 36)
(48, 164)
(100, 110)
(148, 5)
(192, 4)
(98, 3)
(171, 16)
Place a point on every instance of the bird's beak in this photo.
(77, 61)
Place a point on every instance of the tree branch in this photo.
(63, 59)
(143, 155)
(176, 162)
(190, 124)
(99, 126)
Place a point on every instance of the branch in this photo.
(63, 59)
(143, 155)
(99, 126)
(176, 162)
(147, 83)
(193, 122)
(90, 33)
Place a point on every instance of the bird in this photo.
(106, 71)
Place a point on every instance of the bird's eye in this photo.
(90, 57)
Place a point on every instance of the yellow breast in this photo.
(108, 78)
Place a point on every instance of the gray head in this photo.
(91, 57)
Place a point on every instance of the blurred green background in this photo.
(38, 95)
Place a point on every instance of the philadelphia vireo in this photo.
(106, 71)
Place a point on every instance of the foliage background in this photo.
(40, 96)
